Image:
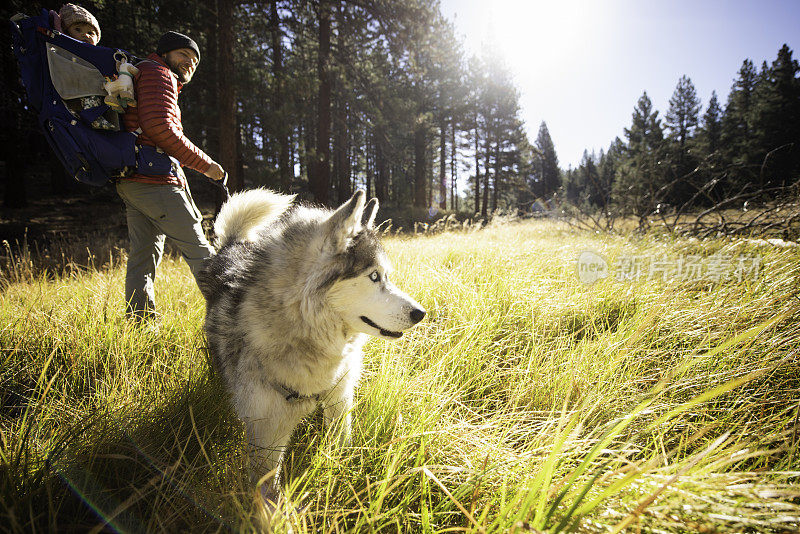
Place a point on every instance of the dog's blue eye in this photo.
(374, 276)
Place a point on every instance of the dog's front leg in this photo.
(338, 416)
(266, 446)
(269, 428)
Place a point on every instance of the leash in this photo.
(223, 185)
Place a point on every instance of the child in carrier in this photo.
(80, 24)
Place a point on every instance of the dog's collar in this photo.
(293, 396)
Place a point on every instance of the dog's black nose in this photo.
(417, 315)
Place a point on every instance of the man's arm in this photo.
(157, 97)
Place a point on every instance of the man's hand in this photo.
(215, 172)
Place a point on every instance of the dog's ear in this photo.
(370, 211)
(346, 221)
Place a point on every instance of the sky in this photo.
(581, 65)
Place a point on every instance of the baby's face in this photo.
(83, 32)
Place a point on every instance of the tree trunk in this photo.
(293, 141)
(310, 155)
(350, 169)
(320, 178)
(486, 167)
(302, 151)
(227, 95)
(453, 172)
(239, 151)
(420, 166)
(477, 173)
(381, 178)
(281, 122)
(368, 162)
(341, 170)
(211, 79)
(430, 185)
(442, 164)
(266, 145)
(497, 180)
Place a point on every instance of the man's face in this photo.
(183, 62)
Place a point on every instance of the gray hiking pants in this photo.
(155, 212)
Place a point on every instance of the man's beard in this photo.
(183, 77)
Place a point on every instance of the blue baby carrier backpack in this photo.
(56, 69)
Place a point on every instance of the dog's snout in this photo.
(417, 314)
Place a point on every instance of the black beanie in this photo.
(173, 40)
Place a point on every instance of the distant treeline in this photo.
(320, 97)
(750, 149)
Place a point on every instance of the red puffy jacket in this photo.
(159, 118)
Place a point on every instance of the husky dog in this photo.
(290, 296)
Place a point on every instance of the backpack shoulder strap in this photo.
(146, 60)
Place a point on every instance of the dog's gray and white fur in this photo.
(289, 297)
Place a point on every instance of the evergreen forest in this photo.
(322, 97)
(742, 152)
(319, 98)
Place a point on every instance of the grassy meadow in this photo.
(526, 401)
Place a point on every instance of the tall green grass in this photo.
(524, 402)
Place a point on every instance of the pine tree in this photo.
(609, 163)
(736, 126)
(681, 121)
(570, 187)
(787, 130)
(640, 175)
(707, 153)
(737, 129)
(549, 173)
(774, 115)
(711, 127)
(681, 117)
(589, 178)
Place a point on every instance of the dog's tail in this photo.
(245, 213)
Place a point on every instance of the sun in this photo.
(541, 35)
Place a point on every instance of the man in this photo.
(159, 206)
